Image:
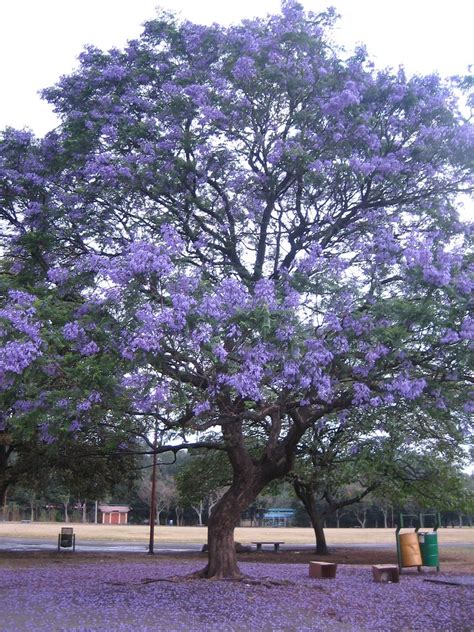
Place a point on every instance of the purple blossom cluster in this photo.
(73, 332)
(58, 275)
(252, 341)
(20, 334)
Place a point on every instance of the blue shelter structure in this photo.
(278, 517)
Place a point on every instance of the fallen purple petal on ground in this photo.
(88, 597)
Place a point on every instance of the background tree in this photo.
(81, 468)
(252, 233)
(202, 481)
(166, 494)
(352, 462)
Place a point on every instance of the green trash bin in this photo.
(428, 541)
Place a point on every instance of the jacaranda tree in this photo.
(253, 232)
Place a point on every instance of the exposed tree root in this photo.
(174, 579)
(203, 574)
(265, 581)
(149, 580)
(244, 579)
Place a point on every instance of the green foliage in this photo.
(400, 459)
(203, 474)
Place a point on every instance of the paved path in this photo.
(23, 544)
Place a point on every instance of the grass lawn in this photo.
(245, 535)
(457, 557)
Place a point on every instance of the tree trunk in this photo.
(213, 499)
(320, 536)
(249, 479)
(179, 516)
(361, 517)
(317, 524)
(66, 516)
(199, 509)
(32, 510)
(321, 544)
(223, 520)
(220, 532)
(6, 478)
(4, 504)
(306, 495)
(84, 511)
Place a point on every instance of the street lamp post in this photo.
(151, 545)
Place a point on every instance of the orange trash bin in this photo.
(410, 550)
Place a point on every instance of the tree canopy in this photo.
(243, 231)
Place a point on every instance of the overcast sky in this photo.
(41, 39)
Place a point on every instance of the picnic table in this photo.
(276, 545)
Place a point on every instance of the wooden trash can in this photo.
(322, 570)
(386, 573)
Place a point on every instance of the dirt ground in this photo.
(453, 559)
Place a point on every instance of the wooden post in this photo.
(322, 570)
(386, 573)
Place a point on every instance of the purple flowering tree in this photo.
(258, 231)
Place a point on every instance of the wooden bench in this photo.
(322, 570)
(276, 545)
(386, 573)
(67, 539)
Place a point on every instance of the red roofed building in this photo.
(114, 514)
